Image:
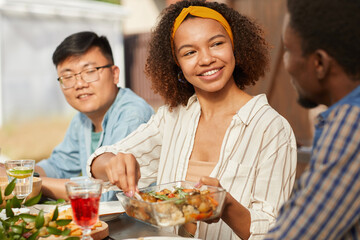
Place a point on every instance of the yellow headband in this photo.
(203, 12)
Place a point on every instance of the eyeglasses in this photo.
(88, 75)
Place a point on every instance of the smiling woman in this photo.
(202, 55)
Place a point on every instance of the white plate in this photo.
(105, 208)
(47, 208)
(110, 210)
(16, 211)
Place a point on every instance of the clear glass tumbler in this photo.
(23, 171)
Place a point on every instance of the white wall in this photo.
(142, 15)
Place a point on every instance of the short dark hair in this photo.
(331, 25)
(79, 43)
(250, 51)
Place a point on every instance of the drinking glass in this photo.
(84, 195)
(23, 171)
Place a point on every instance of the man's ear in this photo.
(322, 63)
(116, 74)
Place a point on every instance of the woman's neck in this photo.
(222, 103)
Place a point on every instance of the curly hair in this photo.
(331, 25)
(250, 51)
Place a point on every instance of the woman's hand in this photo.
(124, 171)
(211, 182)
(235, 215)
(204, 180)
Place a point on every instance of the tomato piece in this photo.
(212, 200)
(201, 215)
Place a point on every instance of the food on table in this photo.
(175, 203)
(75, 230)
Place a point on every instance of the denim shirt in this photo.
(69, 158)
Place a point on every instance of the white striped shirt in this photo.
(256, 166)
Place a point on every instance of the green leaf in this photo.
(17, 229)
(16, 203)
(10, 187)
(50, 202)
(27, 217)
(33, 200)
(66, 232)
(39, 221)
(56, 214)
(181, 193)
(63, 222)
(53, 230)
(46, 236)
(72, 238)
(159, 196)
(1, 199)
(12, 220)
(179, 201)
(59, 201)
(5, 225)
(34, 235)
(9, 211)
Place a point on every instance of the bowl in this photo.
(174, 203)
(35, 191)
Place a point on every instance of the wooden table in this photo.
(123, 227)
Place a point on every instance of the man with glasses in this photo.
(88, 79)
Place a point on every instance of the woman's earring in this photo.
(181, 77)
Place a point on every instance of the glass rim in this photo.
(20, 160)
(84, 180)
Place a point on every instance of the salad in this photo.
(173, 205)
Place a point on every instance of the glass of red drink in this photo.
(84, 195)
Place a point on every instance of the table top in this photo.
(121, 226)
(124, 226)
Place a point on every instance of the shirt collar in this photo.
(347, 99)
(247, 112)
(191, 101)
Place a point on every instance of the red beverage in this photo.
(85, 209)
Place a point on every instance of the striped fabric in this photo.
(257, 161)
(326, 203)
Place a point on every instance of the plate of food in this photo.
(99, 231)
(174, 203)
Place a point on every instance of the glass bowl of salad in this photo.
(174, 203)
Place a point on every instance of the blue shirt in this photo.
(326, 203)
(69, 158)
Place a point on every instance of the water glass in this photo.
(84, 195)
(23, 171)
